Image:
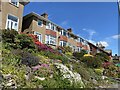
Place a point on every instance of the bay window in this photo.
(12, 22)
(63, 43)
(50, 40)
(39, 36)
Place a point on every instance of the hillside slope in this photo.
(26, 63)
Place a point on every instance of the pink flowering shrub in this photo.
(106, 64)
(40, 66)
(42, 47)
(42, 70)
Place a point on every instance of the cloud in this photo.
(64, 24)
(104, 43)
(115, 36)
(90, 32)
(93, 42)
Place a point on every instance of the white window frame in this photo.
(14, 4)
(49, 25)
(47, 39)
(61, 43)
(50, 39)
(6, 27)
(62, 33)
(79, 49)
(39, 35)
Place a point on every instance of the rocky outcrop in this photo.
(68, 74)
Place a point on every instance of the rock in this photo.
(101, 87)
(40, 78)
(28, 70)
(29, 76)
(7, 76)
(1, 77)
(68, 74)
(71, 67)
(104, 77)
(10, 83)
(51, 76)
(40, 86)
(94, 81)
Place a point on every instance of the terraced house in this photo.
(12, 14)
(52, 34)
(47, 31)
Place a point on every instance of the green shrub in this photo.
(53, 56)
(111, 71)
(12, 39)
(104, 57)
(9, 35)
(93, 62)
(9, 58)
(81, 70)
(65, 49)
(80, 54)
(25, 41)
(99, 71)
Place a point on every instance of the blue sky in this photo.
(96, 22)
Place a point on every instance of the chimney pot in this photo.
(45, 15)
(69, 29)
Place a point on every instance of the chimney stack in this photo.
(45, 15)
(69, 30)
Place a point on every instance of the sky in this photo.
(94, 21)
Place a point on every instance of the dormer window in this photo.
(15, 2)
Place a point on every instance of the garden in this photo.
(27, 63)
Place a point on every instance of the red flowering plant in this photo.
(42, 47)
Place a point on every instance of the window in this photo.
(12, 22)
(50, 26)
(47, 39)
(63, 43)
(98, 51)
(15, 2)
(50, 40)
(91, 48)
(40, 23)
(69, 36)
(63, 32)
(39, 36)
(81, 40)
(78, 40)
(79, 49)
